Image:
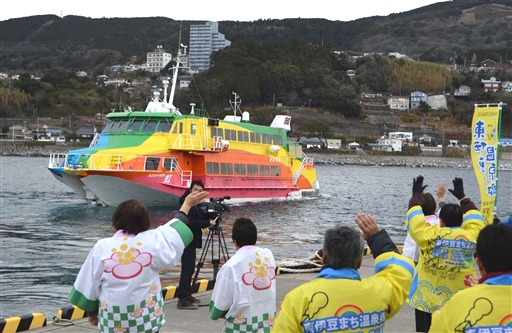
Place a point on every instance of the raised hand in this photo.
(458, 188)
(367, 224)
(417, 185)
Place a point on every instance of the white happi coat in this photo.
(245, 291)
(120, 277)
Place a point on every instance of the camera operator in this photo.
(198, 220)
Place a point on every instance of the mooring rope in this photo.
(61, 322)
(309, 265)
(306, 265)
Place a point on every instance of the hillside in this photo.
(290, 62)
(438, 32)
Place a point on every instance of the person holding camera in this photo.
(245, 288)
(198, 220)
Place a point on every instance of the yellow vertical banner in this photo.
(484, 155)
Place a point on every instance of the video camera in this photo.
(215, 207)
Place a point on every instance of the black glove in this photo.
(417, 185)
(458, 188)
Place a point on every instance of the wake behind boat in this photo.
(153, 155)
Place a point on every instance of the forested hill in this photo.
(438, 32)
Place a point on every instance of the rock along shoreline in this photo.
(10, 149)
(402, 161)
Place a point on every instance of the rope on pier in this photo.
(62, 322)
(306, 265)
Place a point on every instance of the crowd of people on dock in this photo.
(436, 274)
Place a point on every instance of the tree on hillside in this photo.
(317, 129)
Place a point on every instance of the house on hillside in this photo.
(424, 138)
(333, 143)
(85, 132)
(404, 136)
(417, 97)
(488, 63)
(506, 86)
(400, 103)
(388, 144)
(462, 91)
(141, 81)
(185, 81)
(491, 85)
(309, 142)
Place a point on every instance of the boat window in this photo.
(193, 129)
(149, 125)
(240, 135)
(264, 170)
(239, 169)
(252, 169)
(230, 134)
(108, 125)
(277, 140)
(135, 125)
(275, 170)
(170, 164)
(115, 125)
(226, 168)
(212, 167)
(252, 136)
(164, 126)
(180, 127)
(123, 125)
(213, 131)
(152, 163)
(258, 138)
(265, 138)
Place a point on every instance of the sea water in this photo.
(46, 230)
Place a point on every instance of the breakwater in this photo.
(13, 149)
(17, 149)
(403, 161)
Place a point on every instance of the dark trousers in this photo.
(188, 263)
(423, 320)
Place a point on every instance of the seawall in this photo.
(19, 149)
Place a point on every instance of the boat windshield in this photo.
(138, 125)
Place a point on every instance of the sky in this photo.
(215, 10)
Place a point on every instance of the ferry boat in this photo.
(153, 155)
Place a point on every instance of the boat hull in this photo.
(110, 189)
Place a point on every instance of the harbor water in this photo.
(46, 230)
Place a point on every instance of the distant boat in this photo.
(153, 155)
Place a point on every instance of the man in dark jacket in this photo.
(198, 220)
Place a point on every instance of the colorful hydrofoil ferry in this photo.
(154, 154)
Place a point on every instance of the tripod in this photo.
(222, 249)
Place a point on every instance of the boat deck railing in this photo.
(307, 162)
(188, 142)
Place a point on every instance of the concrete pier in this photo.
(198, 321)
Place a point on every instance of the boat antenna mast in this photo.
(235, 104)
